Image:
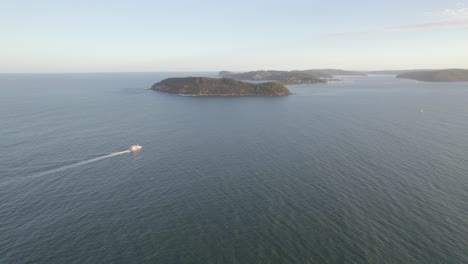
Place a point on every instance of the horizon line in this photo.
(215, 71)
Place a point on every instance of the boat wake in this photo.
(71, 166)
(74, 165)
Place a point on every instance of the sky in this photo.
(241, 35)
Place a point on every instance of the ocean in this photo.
(367, 170)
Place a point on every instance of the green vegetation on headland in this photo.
(202, 86)
(449, 75)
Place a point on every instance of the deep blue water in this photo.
(349, 172)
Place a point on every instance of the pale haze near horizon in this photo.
(141, 36)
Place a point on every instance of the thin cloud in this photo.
(413, 27)
(461, 13)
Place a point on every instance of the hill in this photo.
(202, 86)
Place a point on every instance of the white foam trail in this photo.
(80, 163)
(74, 165)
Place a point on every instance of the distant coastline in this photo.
(203, 86)
(448, 75)
(283, 77)
(273, 83)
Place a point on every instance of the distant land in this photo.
(389, 72)
(272, 83)
(329, 73)
(448, 75)
(202, 86)
(283, 77)
(395, 72)
(310, 76)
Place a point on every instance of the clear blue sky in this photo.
(208, 35)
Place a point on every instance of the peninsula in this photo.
(448, 75)
(283, 77)
(202, 86)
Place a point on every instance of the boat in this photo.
(135, 148)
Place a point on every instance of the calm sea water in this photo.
(368, 170)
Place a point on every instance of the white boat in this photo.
(135, 148)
